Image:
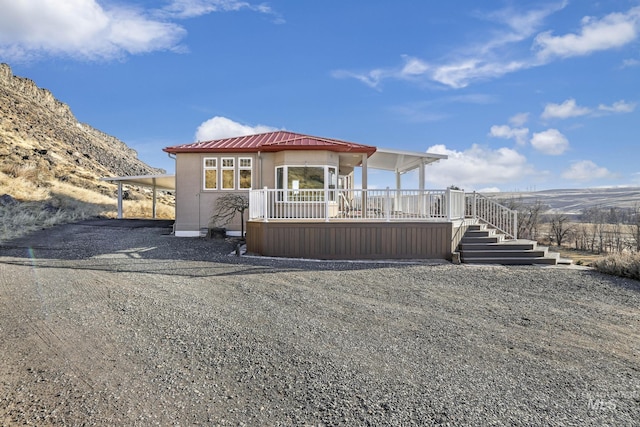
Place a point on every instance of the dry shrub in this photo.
(623, 265)
(28, 171)
(144, 208)
(42, 205)
(21, 189)
(22, 218)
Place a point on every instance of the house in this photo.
(303, 200)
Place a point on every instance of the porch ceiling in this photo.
(401, 161)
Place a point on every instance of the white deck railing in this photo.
(331, 205)
(489, 211)
(381, 205)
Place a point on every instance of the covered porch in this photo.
(343, 222)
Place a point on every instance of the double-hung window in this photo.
(228, 173)
(210, 173)
(244, 173)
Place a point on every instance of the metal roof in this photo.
(271, 141)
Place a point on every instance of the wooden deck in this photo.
(354, 240)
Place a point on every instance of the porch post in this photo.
(119, 199)
(474, 207)
(387, 212)
(365, 173)
(266, 204)
(421, 173)
(326, 204)
(398, 194)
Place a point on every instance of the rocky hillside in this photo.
(40, 133)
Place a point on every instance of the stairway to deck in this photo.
(483, 245)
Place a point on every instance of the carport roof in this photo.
(161, 182)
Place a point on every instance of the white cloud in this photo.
(471, 63)
(550, 141)
(519, 119)
(520, 135)
(222, 127)
(194, 8)
(81, 29)
(618, 107)
(567, 109)
(502, 51)
(586, 170)
(461, 74)
(89, 30)
(613, 31)
(477, 166)
(523, 25)
(414, 67)
(411, 69)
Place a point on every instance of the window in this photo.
(297, 178)
(228, 173)
(244, 172)
(210, 174)
(305, 177)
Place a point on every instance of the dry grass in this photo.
(578, 257)
(42, 205)
(623, 265)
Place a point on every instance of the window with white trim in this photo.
(210, 173)
(228, 173)
(244, 172)
(297, 179)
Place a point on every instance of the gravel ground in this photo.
(119, 323)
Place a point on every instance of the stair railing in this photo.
(492, 213)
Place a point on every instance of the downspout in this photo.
(260, 168)
(175, 195)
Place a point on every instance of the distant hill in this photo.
(38, 131)
(575, 201)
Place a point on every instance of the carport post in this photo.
(119, 199)
(153, 210)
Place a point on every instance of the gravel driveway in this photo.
(119, 323)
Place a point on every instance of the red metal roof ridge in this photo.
(249, 143)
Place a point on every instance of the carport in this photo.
(156, 182)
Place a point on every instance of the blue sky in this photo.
(521, 95)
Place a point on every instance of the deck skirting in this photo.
(353, 240)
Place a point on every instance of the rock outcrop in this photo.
(40, 132)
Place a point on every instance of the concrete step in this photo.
(505, 245)
(513, 261)
(476, 227)
(488, 239)
(482, 245)
(479, 233)
(536, 253)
